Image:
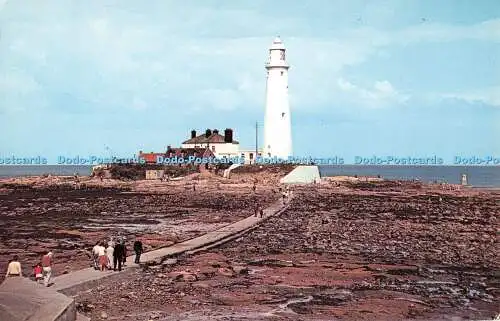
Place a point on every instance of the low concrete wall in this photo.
(302, 175)
(24, 300)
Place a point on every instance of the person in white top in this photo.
(14, 268)
(103, 259)
(95, 255)
(109, 253)
(47, 262)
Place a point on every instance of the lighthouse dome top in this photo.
(277, 44)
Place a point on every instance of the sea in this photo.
(477, 176)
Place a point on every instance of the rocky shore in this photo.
(348, 251)
(69, 217)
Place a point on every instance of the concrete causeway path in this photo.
(22, 299)
(90, 275)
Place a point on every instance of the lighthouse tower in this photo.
(277, 121)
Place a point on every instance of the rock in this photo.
(189, 277)
(201, 285)
(201, 276)
(104, 315)
(183, 276)
(155, 262)
(271, 262)
(238, 269)
(215, 264)
(225, 271)
(169, 262)
(332, 297)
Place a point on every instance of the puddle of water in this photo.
(294, 286)
(285, 305)
(254, 271)
(164, 225)
(283, 308)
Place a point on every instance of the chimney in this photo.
(208, 133)
(193, 133)
(228, 135)
(215, 131)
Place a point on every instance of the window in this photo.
(282, 55)
(251, 155)
(213, 148)
(282, 73)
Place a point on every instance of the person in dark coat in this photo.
(138, 250)
(118, 255)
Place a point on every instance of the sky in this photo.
(404, 78)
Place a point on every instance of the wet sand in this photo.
(347, 251)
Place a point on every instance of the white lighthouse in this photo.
(277, 121)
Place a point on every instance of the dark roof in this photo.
(212, 139)
(199, 152)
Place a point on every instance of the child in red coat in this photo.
(37, 271)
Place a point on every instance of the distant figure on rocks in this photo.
(38, 272)
(77, 181)
(47, 268)
(103, 259)
(138, 250)
(109, 253)
(118, 254)
(14, 267)
(261, 211)
(95, 255)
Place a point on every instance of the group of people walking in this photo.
(42, 271)
(114, 256)
(103, 258)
